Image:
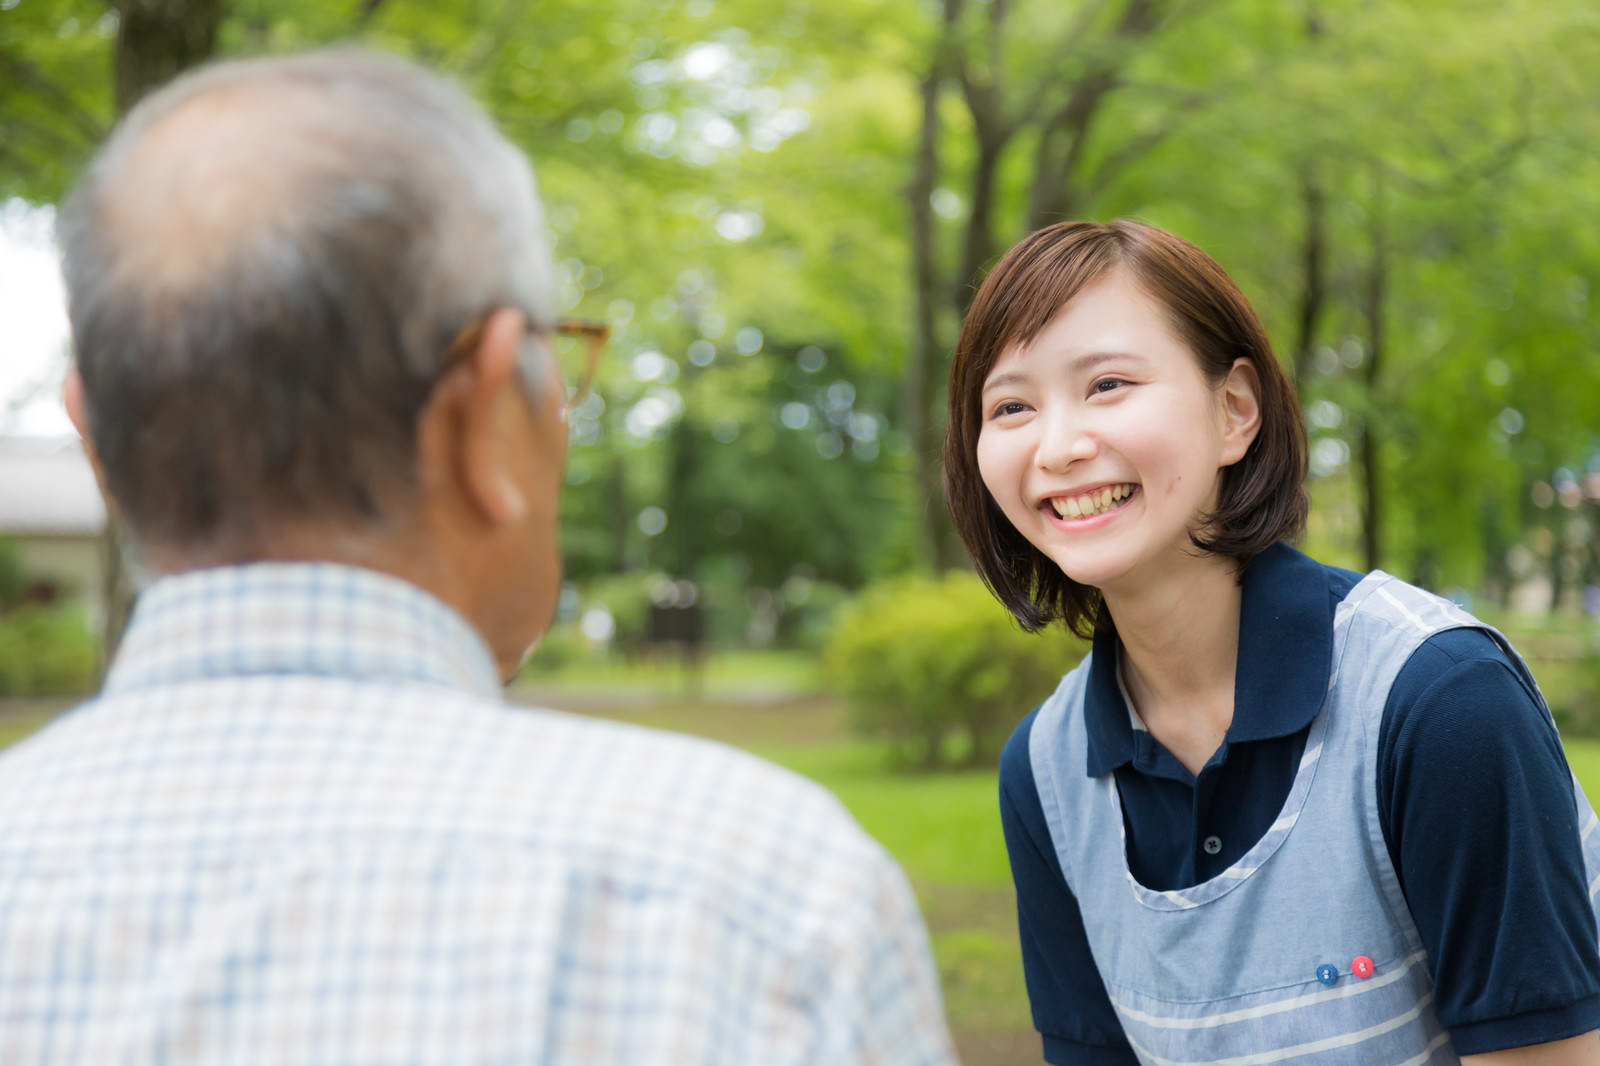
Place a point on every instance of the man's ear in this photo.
(1241, 410)
(77, 406)
(467, 426)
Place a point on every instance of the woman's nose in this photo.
(1065, 440)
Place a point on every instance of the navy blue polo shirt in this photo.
(1467, 769)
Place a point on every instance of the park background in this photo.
(782, 209)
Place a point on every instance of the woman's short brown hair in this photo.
(1262, 498)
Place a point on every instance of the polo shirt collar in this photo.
(1281, 679)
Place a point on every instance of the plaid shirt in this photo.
(300, 826)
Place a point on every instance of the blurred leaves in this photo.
(935, 665)
(726, 183)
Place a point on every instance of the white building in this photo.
(50, 507)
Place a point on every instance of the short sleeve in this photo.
(1070, 1007)
(1477, 807)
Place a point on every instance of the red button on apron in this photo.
(1361, 966)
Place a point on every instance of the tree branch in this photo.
(47, 135)
(1050, 196)
(1032, 111)
(90, 126)
(1135, 148)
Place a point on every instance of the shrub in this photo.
(46, 651)
(940, 669)
(560, 646)
(1572, 688)
(13, 575)
(809, 611)
(627, 597)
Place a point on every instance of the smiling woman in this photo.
(1107, 401)
(1160, 313)
(1260, 760)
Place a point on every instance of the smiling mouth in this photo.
(1090, 504)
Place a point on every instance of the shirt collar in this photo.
(1281, 679)
(302, 619)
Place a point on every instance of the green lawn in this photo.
(18, 718)
(1584, 756)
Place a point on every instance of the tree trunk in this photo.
(1372, 311)
(917, 402)
(1558, 564)
(1313, 253)
(978, 246)
(922, 357)
(155, 40)
(616, 493)
(1313, 265)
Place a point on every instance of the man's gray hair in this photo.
(265, 265)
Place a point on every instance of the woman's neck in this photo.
(1180, 647)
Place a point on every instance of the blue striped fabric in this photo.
(1226, 972)
(300, 826)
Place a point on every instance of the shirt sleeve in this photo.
(1070, 1007)
(1476, 803)
(896, 995)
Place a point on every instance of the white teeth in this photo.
(1091, 503)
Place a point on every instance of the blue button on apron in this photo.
(1327, 974)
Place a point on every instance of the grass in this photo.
(722, 674)
(18, 718)
(1584, 757)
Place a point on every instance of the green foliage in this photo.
(937, 666)
(1584, 758)
(55, 92)
(13, 577)
(726, 183)
(1572, 688)
(810, 612)
(45, 651)
(627, 598)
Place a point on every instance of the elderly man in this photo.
(313, 310)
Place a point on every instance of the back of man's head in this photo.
(265, 266)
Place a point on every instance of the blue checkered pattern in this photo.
(300, 826)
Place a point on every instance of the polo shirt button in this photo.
(1212, 845)
(1327, 974)
(1362, 967)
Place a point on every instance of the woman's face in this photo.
(1102, 441)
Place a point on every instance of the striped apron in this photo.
(1303, 951)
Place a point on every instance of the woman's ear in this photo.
(1240, 397)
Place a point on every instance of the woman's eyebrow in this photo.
(1005, 380)
(1090, 360)
(1077, 364)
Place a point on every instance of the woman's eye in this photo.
(1107, 385)
(1010, 407)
